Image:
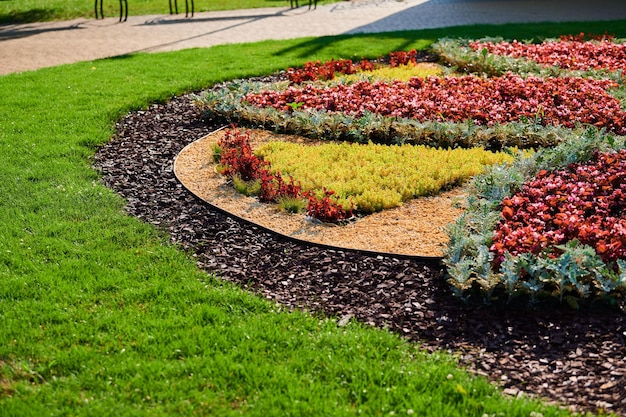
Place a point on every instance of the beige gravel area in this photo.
(416, 228)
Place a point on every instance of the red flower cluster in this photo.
(237, 158)
(586, 202)
(402, 58)
(326, 209)
(569, 52)
(314, 71)
(554, 101)
(273, 187)
(583, 37)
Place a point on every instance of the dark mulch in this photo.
(577, 358)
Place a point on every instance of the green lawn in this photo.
(100, 315)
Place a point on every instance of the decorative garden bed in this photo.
(574, 357)
(416, 228)
(569, 114)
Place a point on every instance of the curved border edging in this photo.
(426, 259)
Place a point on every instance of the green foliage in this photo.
(292, 204)
(248, 188)
(376, 177)
(216, 153)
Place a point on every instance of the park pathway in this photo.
(36, 45)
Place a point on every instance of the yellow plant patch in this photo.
(401, 73)
(373, 176)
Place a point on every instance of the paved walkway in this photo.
(32, 46)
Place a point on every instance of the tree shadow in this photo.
(312, 46)
(410, 39)
(27, 16)
(10, 32)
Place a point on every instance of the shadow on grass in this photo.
(312, 46)
(28, 16)
(9, 32)
(309, 47)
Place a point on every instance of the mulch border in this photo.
(572, 357)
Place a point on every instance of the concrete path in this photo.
(32, 46)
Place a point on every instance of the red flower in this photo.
(584, 202)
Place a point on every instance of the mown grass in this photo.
(100, 315)
(27, 11)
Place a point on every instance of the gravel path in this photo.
(31, 46)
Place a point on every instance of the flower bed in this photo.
(484, 101)
(336, 180)
(569, 248)
(562, 234)
(569, 52)
(584, 202)
(228, 102)
(602, 58)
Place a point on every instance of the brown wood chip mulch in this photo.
(573, 357)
